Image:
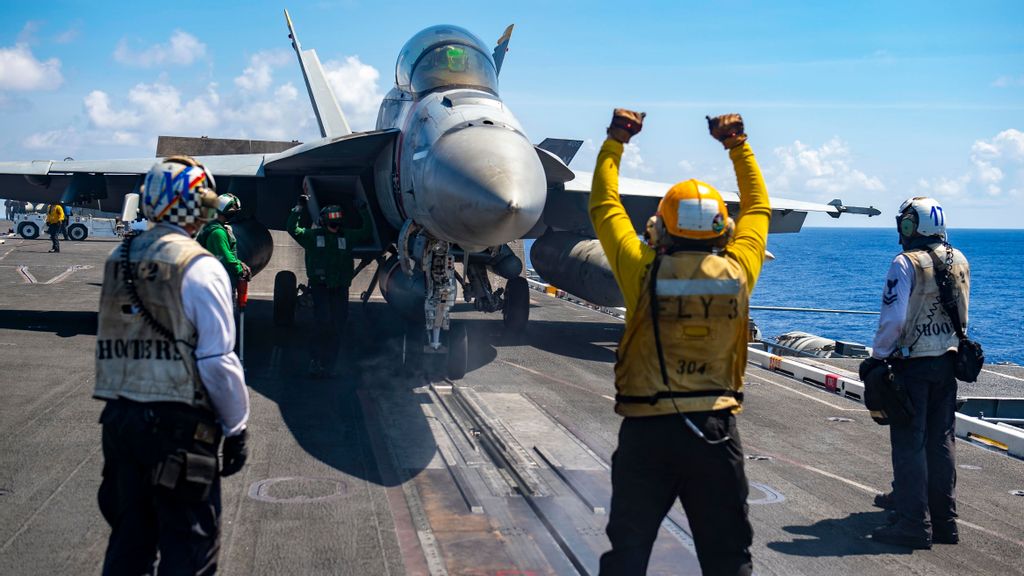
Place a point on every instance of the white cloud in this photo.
(70, 35)
(182, 49)
(97, 107)
(20, 70)
(997, 172)
(280, 116)
(62, 139)
(687, 166)
(1008, 81)
(28, 32)
(823, 171)
(356, 90)
(258, 76)
(252, 106)
(633, 162)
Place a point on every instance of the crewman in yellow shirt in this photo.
(679, 374)
(54, 221)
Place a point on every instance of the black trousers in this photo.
(923, 451)
(330, 311)
(658, 460)
(54, 232)
(144, 518)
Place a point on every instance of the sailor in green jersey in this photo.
(329, 266)
(219, 240)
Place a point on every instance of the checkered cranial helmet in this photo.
(180, 191)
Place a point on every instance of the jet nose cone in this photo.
(487, 184)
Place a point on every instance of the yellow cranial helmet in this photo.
(694, 210)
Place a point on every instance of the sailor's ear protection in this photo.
(907, 223)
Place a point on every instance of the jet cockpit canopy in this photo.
(445, 56)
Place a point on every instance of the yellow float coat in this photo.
(630, 261)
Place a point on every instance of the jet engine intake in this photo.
(576, 264)
(255, 245)
(405, 293)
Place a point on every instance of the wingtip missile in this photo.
(841, 209)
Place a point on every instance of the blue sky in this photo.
(870, 102)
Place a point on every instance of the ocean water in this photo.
(844, 268)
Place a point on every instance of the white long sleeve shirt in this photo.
(207, 299)
(899, 283)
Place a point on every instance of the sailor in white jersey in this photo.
(919, 340)
(174, 387)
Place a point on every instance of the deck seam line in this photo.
(49, 498)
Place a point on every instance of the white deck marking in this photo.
(808, 396)
(871, 490)
(1003, 375)
(558, 380)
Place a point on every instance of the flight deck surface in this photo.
(381, 471)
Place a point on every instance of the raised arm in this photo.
(626, 254)
(751, 235)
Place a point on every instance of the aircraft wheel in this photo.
(28, 230)
(285, 298)
(458, 351)
(77, 232)
(516, 312)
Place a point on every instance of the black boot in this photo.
(885, 501)
(945, 532)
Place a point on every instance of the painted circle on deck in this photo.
(764, 494)
(297, 490)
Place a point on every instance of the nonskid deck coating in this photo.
(335, 505)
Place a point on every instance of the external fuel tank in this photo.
(576, 264)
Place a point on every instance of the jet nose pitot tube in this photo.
(487, 186)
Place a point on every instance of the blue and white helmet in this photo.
(180, 191)
(921, 216)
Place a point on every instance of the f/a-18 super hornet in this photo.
(448, 178)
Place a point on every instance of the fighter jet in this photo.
(447, 177)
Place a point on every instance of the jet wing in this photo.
(353, 152)
(566, 208)
(84, 180)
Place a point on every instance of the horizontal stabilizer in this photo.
(564, 149)
(174, 145)
(555, 171)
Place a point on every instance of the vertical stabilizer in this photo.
(502, 47)
(328, 114)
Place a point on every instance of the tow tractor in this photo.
(29, 226)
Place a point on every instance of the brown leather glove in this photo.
(625, 124)
(727, 129)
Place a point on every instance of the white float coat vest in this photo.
(927, 330)
(133, 360)
(703, 307)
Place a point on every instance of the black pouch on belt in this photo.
(186, 474)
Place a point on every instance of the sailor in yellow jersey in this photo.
(679, 374)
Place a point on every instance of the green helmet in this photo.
(331, 215)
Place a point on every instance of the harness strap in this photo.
(664, 394)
